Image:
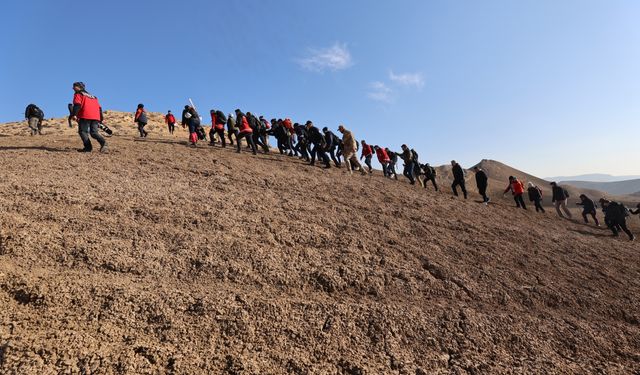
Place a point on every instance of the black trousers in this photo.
(259, 140)
(318, 151)
(519, 201)
(143, 133)
(249, 139)
(367, 161)
(617, 225)
(433, 181)
(483, 192)
(220, 133)
(538, 204)
(460, 183)
(332, 154)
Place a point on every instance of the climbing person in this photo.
(367, 154)
(615, 216)
(458, 179)
(34, 117)
(588, 208)
(303, 144)
(185, 121)
(256, 131)
(170, 119)
(332, 142)
(383, 159)
(232, 130)
(349, 150)
(407, 157)
(218, 121)
(559, 197)
(482, 182)
(140, 118)
(282, 136)
(319, 143)
(535, 196)
(429, 174)
(88, 113)
(265, 130)
(417, 170)
(244, 131)
(193, 122)
(393, 157)
(70, 108)
(517, 189)
(292, 135)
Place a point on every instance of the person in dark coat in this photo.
(615, 217)
(535, 196)
(458, 179)
(559, 198)
(429, 174)
(332, 141)
(317, 139)
(482, 181)
(588, 208)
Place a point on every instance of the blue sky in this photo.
(549, 87)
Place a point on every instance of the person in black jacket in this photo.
(588, 208)
(34, 116)
(409, 163)
(257, 135)
(429, 175)
(482, 181)
(559, 198)
(393, 156)
(535, 196)
(332, 142)
(302, 144)
(615, 217)
(458, 179)
(318, 141)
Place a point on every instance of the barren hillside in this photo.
(160, 258)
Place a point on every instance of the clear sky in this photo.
(550, 87)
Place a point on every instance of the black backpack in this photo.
(221, 118)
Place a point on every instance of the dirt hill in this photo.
(160, 258)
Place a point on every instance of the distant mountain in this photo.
(613, 188)
(594, 177)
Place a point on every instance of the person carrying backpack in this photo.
(140, 118)
(458, 179)
(34, 117)
(430, 174)
(615, 217)
(517, 189)
(232, 130)
(559, 197)
(383, 159)
(318, 141)
(393, 157)
(88, 113)
(332, 142)
(256, 128)
(367, 154)
(409, 170)
(482, 182)
(244, 131)
(588, 208)
(218, 121)
(535, 196)
(170, 119)
(349, 150)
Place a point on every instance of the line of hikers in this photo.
(309, 143)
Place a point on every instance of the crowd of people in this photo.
(309, 143)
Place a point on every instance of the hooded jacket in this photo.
(458, 173)
(481, 179)
(534, 193)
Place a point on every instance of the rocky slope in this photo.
(160, 258)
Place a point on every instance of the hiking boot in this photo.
(84, 150)
(104, 149)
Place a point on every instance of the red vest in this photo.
(89, 107)
(244, 126)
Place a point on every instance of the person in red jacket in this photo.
(140, 118)
(383, 159)
(517, 189)
(88, 113)
(218, 121)
(170, 119)
(367, 154)
(244, 131)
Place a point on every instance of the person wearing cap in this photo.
(349, 150)
(535, 196)
(332, 142)
(559, 198)
(170, 119)
(517, 189)
(140, 118)
(615, 217)
(588, 208)
(458, 179)
(482, 182)
(88, 113)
